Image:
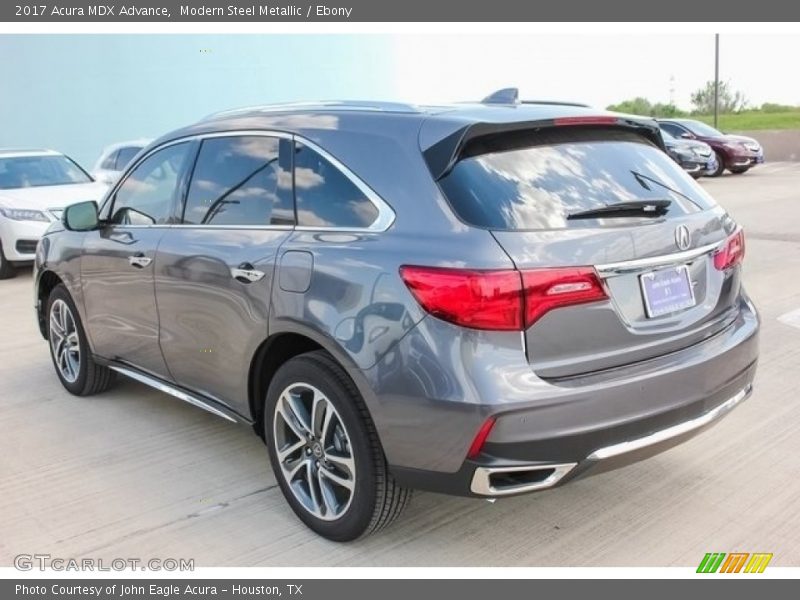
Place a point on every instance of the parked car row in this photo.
(736, 153)
(36, 185)
(482, 299)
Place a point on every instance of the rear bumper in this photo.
(606, 420)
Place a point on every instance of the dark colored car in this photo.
(482, 300)
(737, 153)
(694, 157)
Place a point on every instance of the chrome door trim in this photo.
(171, 390)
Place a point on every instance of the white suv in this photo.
(35, 186)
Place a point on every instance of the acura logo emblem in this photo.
(682, 237)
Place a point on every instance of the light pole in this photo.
(716, 79)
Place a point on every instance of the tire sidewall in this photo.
(359, 514)
(721, 165)
(77, 386)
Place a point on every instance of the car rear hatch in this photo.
(601, 289)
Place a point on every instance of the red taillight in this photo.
(476, 299)
(480, 438)
(503, 300)
(732, 253)
(588, 120)
(547, 289)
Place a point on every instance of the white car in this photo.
(35, 186)
(115, 158)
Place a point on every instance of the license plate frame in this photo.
(667, 291)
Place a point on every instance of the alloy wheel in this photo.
(314, 451)
(64, 341)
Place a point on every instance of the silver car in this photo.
(477, 299)
(114, 158)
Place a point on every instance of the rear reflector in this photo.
(480, 438)
(732, 253)
(503, 300)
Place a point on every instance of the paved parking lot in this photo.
(135, 473)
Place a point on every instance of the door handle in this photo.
(140, 261)
(247, 273)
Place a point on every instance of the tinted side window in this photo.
(125, 156)
(239, 180)
(325, 196)
(147, 195)
(108, 162)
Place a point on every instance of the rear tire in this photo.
(739, 170)
(325, 452)
(720, 166)
(72, 358)
(7, 270)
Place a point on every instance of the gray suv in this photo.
(477, 299)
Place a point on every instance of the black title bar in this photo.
(405, 11)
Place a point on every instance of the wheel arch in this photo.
(283, 345)
(45, 284)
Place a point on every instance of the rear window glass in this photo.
(533, 180)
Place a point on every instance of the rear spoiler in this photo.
(444, 154)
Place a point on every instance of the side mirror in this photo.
(82, 216)
(687, 136)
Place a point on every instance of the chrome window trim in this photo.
(384, 220)
(386, 214)
(639, 264)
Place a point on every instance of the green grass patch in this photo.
(755, 120)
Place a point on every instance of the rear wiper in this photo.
(631, 208)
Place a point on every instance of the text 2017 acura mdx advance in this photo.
(476, 299)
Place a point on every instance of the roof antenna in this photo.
(504, 96)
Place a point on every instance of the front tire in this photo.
(7, 270)
(325, 451)
(72, 358)
(720, 166)
(739, 170)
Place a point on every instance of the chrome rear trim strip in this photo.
(172, 391)
(674, 431)
(639, 264)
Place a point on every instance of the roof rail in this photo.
(339, 105)
(511, 96)
(555, 103)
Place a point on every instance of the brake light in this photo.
(732, 253)
(480, 438)
(547, 289)
(503, 300)
(588, 120)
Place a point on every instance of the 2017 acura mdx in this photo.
(480, 299)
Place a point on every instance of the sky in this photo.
(78, 93)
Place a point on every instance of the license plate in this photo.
(667, 291)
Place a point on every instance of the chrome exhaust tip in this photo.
(503, 481)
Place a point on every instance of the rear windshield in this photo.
(533, 180)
